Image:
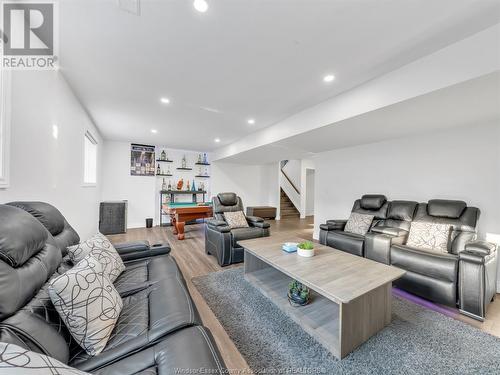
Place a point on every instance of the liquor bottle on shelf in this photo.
(205, 159)
(199, 159)
(158, 169)
(163, 155)
(184, 162)
(169, 185)
(168, 170)
(188, 188)
(193, 188)
(199, 171)
(164, 184)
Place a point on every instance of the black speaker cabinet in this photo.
(113, 217)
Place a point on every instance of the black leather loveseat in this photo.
(158, 331)
(222, 241)
(464, 275)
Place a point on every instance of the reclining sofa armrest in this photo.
(140, 249)
(480, 247)
(257, 222)
(334, 225)
(477, 278)
(218, 225)
(254, 219)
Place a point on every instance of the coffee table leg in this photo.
(179, 225)
(363, 317)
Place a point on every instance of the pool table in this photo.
(186, 211)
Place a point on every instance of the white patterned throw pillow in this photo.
(358, 223)
(236, 219)
(102, 250)
(15, 360)
(429, 236)
(88, 304)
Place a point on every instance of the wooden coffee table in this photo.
(351, 296)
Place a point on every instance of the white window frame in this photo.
(5, 110)
(88, 135)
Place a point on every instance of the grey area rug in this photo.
(418, 341)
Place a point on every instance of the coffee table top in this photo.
(337, 275)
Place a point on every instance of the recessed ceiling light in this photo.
(217, 140)
(165, 100)
(55, 131)
(328, 78)
(251, 121)
(154, 131)
(200, 5)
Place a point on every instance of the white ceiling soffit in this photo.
(467, 59)
(465, 104)
(261, 59)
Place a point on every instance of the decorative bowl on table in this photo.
(298, 294)
(305, 249)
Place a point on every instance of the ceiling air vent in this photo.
(130, 6)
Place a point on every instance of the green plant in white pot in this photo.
(305, 249)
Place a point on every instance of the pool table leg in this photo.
(179, 226)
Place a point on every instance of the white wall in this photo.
(118, 184)
(142, 192)
(44, 168)
(463, 163)
(310, 177)
(257, 185)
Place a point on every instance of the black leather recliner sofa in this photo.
(465, 275)
(159, 328)
(221, 240)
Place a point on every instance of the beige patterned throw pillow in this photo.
(101, 249)
(236, 219)
(358, 223)
(88, 304)
(429, 236)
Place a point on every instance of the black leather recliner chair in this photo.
(332, 233)
(151, 332)
(222, 241)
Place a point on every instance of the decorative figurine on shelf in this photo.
(205, 159)
(169, 185)
(193, 188)
(179, 184)
(199, 159)
(184, 162)
(158, 169)
(187, 186)
(163, 155)
(164, 184)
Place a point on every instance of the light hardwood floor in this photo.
(191, 257)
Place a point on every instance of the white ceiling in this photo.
(465, 104)
(261, 59)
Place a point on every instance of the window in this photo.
(90, 168)
(4, 127)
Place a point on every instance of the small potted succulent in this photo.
(298, 294)
(305, 249)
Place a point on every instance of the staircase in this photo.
(287, 208)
